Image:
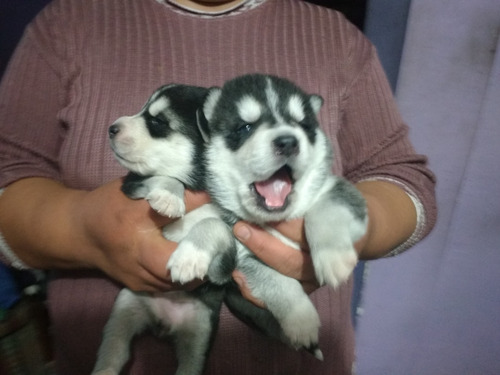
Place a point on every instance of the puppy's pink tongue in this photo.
(275, 189)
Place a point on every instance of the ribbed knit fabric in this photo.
(84, 63)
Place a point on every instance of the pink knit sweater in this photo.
(82, 64)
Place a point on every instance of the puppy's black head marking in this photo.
(276, 100)
(237, 135)
(163, 138)
(181, 100)
(158, 126)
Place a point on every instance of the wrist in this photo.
(392, 218)
(37, 223)
(362, 245)
(77, 239)
(61, 234)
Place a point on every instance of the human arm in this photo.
(48, 225)
(391, 220)
(50, 132)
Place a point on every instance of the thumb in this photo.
(264, 245)
(272, 251)
(154, 260)
(248, 235)
(155, 253)
(242, 231)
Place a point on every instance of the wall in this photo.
(385, 26)
(434, 310)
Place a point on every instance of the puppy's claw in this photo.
(315, 351)
(318, 354)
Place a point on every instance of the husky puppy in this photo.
(264, 159)
(162, 148)
(267, 160)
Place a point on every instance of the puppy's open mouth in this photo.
(272, 193)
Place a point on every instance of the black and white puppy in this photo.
(162, 144)
(265, 159)
(162, 148)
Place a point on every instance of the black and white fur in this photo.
(265, 130)
(266, 160)
(162, 144)
(163, 148)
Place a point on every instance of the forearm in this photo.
(49, 226)
(392, 218)
(36, 221)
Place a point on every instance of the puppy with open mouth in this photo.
(268, 160)
(256, 146)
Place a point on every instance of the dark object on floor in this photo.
(24, 339)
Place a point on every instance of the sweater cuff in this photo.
(7, 255)
(420, 210)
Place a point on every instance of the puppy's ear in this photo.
(316, 103)
(211, 101)
(203, 125)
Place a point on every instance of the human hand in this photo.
(123, 237)
(276, 254)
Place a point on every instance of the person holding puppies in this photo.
(81, 65)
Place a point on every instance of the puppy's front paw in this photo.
(166, 203)
(188, 262)
(332, 266)
(301, 325)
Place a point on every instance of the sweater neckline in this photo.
(177, 4)
(240, 8)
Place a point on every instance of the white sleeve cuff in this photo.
(420, 210)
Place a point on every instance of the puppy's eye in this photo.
(245, 128)
(157, 127)
(157, 123)
(306, 125)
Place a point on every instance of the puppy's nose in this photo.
(113, 130)
(286, 145)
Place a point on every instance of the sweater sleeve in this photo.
(375, 145)
(32, 94)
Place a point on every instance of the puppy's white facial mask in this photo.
(275, 189)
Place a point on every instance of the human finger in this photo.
(240, 279)
(293, 230)
(154, 258)
(272, 251)
(195, 199)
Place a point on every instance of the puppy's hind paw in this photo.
(166, 203)
(301, 327)
(334, 267)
